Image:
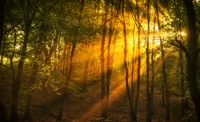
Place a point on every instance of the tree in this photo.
(17, 81)
(3, 112)
(129, 87)
(148, 94)
(138, 55)
(110, 55)
(2, 20)
(153, 62)
(69, 72)
(164, 74)
(102, 58)
(192, 55)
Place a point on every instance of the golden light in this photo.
(182, 33)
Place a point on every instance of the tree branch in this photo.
(198, 21)
(196, 54)
(181, 46)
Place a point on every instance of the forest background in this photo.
(54, 51)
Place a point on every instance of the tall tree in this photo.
(69, 72)
(129, 86)
(152, 63)
(2, 3)
(28, 115)
(164, 74)
(182, 83)
(148, 94)
(192, 54)
(138, 55)
(17, 81)
(103, 81)
(110, 55)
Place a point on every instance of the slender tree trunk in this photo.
(17, 81)
(3, 112)
(164, 74)
(129, 87)
(46, 83)
(152, 69)
(2, 4)
(181, 62)
(162, 86)
(103, 92)
(182, 84)
(133, 80)
(109, 63)
(104, 83)
(71, 61)
(138, 57)
(66, 72)
(148, 94)
(165, 82)
(192, 55)
(85, 73)
(69, 73)
(104, 112)
(27, 115)
(46, 87)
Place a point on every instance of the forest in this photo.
(100, 60)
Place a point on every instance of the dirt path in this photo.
(88, 108)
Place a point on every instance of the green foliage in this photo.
(75, 90)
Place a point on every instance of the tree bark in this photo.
(182, 84)
(69, 73)
(164, 74)
(27, 115)
(138, 57)
(148, 94)
(2, 4)
(3, 112)
(152, 66)
(17, 81)
(192, 59)
(103, 111)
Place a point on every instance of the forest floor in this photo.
(88, 107)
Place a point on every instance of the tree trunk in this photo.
(17, 81)
(138, 57)
(85, 73)
(27, 115)
(182, 84)
(192, 51)
(103, 112)
(148, 94)
(164, 74)
(104, 82)
(46, 84)
(133, 81)
(152, 68)
(3, 112)
(2, 4)
(69, 73)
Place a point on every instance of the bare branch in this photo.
(198, 21)
(181, 46)
(196, 54)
